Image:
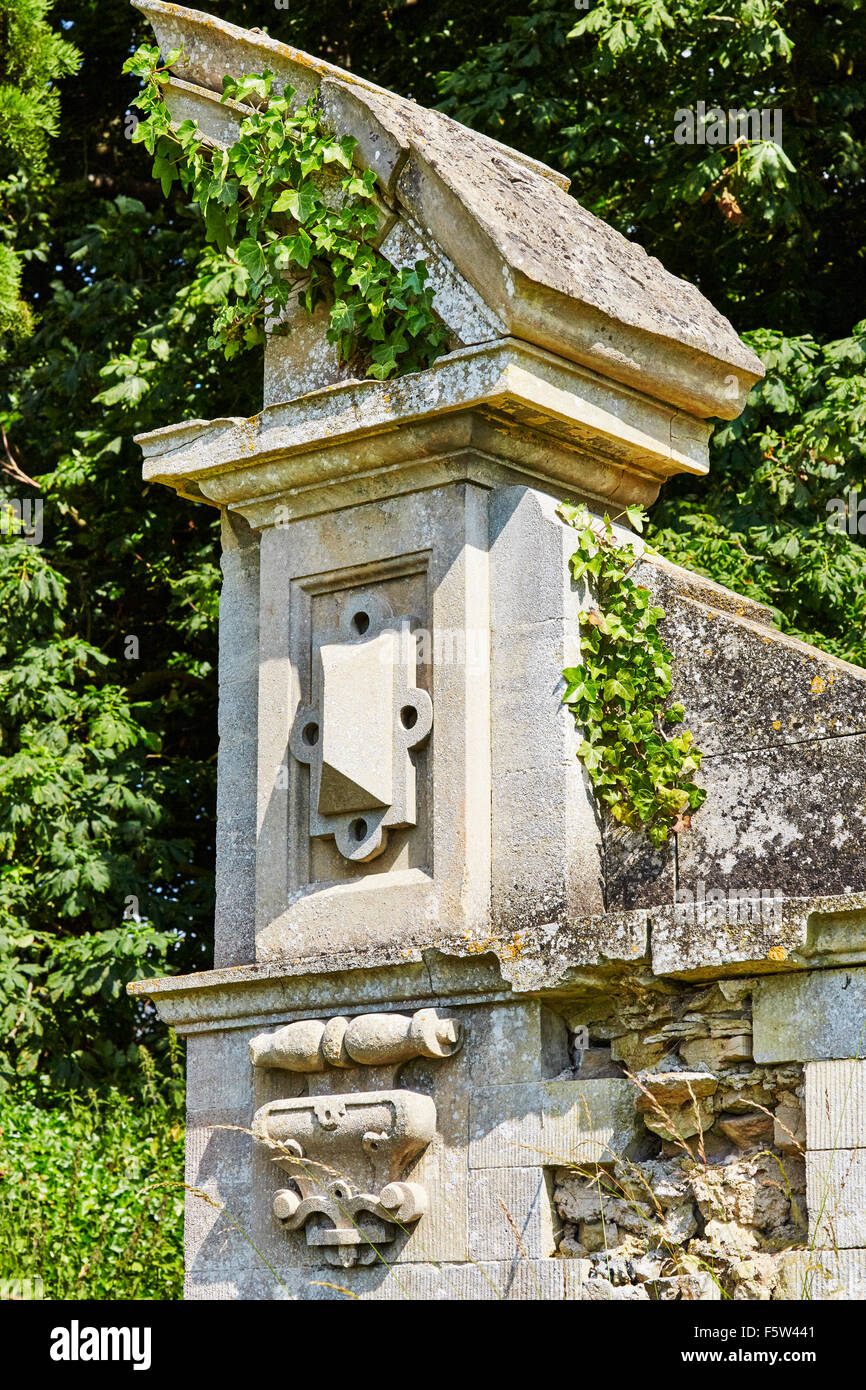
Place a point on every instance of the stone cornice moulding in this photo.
(531, 415)
(813, 933)
(266, 995)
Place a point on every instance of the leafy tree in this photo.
(32, 59)
(106, 661)
(782, 517)
(773, 236)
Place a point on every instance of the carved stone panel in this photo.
(374, 693)
(344, 1155)
(358, 736)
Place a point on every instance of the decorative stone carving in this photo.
(312, 1045)
(347, 1154)
(366, 716)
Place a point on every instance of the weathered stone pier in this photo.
(463, 1038)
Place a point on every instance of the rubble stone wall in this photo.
(713, 1195)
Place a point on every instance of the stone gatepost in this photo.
(411, 1066)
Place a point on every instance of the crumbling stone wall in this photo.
(506, 904)
(713, 1194)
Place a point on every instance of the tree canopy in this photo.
(32, 58)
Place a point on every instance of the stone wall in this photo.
(714, 1190)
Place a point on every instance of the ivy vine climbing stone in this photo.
(619, 694)
(281, 224)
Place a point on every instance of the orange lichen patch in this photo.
(478, 947)
(777, 953)
(818, 686)
(514, 948)
(777, 723)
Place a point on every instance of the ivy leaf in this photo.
(300, 249)
(589, 756)
(251, 257)
(615, 689)
(341, 153)
(300, 203)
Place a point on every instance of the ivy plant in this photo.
(288, 213)
(619, 695)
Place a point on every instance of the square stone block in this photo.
(200, 1288)
(505, 1127)
(822, 1276)
(588, 1122)
(510, 1214)
(511, 1043)
(836, 1198)
(836, 1105)
(442, 1234)
(219, 1076)
(489, 1281)
(552, 1123)
(817, 1016)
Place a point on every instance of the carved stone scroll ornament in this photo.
(366, 716)
(347, 1154)
(372, 1040)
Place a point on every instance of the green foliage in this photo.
(619, 694)
(16, 318)
(772, 236)
(91, 1189)
(268, 206)
(76, 809)
(106, 763)
(32, 59)
(762, 522)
